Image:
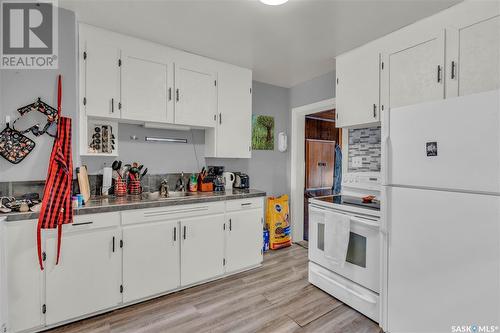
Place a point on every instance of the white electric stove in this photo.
(357, 281)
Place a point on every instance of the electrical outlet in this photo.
(357, 162)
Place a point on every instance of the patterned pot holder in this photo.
(14, 146)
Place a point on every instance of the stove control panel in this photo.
(362, 180)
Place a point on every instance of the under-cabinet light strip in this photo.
(154, 139)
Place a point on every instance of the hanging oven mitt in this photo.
(14, 146)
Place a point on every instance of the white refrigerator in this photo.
(441, 177)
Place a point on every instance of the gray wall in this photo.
(314, 90)
(268, 170)
(22, 87)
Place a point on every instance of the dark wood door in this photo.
(320, 157)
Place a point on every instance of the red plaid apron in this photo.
(56, 207)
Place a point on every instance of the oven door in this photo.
(362, 260)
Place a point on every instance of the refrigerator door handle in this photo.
(386, 147)
(385, 218)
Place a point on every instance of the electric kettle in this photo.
(228, 180)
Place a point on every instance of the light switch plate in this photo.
(357, 162)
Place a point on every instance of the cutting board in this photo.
(83, 182)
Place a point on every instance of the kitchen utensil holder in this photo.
(120, 188)
(206, 187)
(134, 187)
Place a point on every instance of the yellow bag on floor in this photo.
(278, 222)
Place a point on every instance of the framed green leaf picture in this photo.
(262, 132)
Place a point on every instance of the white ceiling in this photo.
(283, 45)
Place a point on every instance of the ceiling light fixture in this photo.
(273, 2)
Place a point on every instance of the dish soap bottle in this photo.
(193, 183)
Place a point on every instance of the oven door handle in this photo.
(363, 221)
(349, 290)
(366, 222)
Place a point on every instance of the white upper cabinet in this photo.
(232, 136)
(195, 95)
(453, 53)
(358, 93)
(147, 84)
(414, 73)
(473, 52)
(137, 81)
(99, 73)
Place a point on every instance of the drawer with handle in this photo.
(88, 222)
(171, 212)
(93, 221)
(240, 204)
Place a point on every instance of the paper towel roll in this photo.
(107, 176)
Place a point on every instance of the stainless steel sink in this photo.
(179, 194)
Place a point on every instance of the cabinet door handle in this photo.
(113, 244)
(175, 234)
(453, 68)
(220, 118)
(230, 225)
(184, 232)
(177, 94)
(246, 204)
(170, 93)
(439, 73)
(374, 110)
(112, 105)
(81, 223)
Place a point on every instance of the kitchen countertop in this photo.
(114, 204)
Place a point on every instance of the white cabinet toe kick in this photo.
(112, 260)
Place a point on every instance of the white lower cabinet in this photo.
(244, 239)
(202, 249)
(151, 259)
(24, 277)
(113, 259)
(88, 276)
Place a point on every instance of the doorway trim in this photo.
(297, 163)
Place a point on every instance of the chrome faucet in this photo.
(181, 184)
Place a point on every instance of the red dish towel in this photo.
(56, 207)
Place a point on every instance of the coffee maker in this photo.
(241, 180)
(214, 175)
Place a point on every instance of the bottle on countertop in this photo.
(193, 183)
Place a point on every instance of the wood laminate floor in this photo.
(273, 298)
